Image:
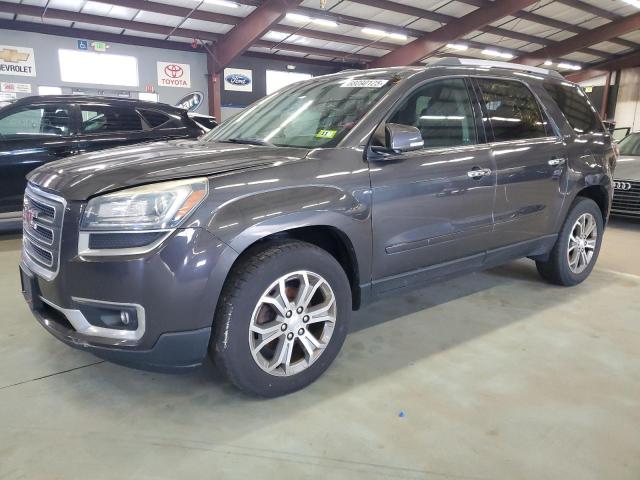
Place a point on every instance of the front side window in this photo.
(46, 120)
(514, 113)
(308, 115)
(442, 111)
(575, 106)
(104, 119)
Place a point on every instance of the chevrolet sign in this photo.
(18, 61)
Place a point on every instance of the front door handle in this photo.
(554, 162)
(477, 173)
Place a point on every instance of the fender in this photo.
(243, 221)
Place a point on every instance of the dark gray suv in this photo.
(256, 242)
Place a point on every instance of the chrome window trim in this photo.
(79, 322)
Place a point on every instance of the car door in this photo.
(530, 159)
(434, 205)
(168, 126)
(30, 135)
(103, 126)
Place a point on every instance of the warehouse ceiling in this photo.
(572, 34)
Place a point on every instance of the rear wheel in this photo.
(282, 318)
(576, 250)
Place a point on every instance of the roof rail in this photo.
(454, 61)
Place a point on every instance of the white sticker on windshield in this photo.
(364, 83)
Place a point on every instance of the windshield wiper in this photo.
(249, 141)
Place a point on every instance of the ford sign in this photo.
(237, 79)
(191, 101)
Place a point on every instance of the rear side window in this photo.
(104, 119)
(159, 119)
(575, 106)
(514, 113)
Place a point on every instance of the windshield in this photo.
(308, 115)
(630, 145)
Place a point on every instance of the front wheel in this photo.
(576, 250)
(282, 318)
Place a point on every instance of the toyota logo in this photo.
(174, 71)
(624, 186)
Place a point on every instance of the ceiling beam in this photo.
(34, 11)
(501, 32)
(582, 40)
(431, 42)
(630, 60)
(249, 30)
(95, 35)
(558, 24)
(592, 9)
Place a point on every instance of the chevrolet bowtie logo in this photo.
(13, 56)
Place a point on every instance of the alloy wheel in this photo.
(582, 243)
(292, 323)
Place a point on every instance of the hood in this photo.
(628, 168)
(83, 176)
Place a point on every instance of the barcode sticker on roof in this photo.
(364, 83)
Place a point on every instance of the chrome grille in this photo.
(626, 198)
(42, 217)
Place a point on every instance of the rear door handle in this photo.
(554, 162)
(478, 173)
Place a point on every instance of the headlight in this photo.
(136, 220)
(160, 206)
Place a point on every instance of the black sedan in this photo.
(37, 130)
(626, 199)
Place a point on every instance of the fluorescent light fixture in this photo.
(569, 66)
(374, 31)
(495, 53)
(548, 63)
(222, 3)
(634, 3)
(324, 22)
(398, 36)
(296, 17)
(457, 46)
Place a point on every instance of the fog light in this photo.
(124, 317)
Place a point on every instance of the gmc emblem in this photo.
(29, 216)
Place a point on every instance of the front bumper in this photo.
(174, 291)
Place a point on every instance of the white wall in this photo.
(628, 105)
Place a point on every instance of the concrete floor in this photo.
(499, 376)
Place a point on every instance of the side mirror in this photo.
(403, 138)
(609, 125)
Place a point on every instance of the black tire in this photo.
(556, 269)
(249, 279)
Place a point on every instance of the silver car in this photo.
(626, 199)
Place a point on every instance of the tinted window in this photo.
(47, 120)
(630, 145)
(514, 113)
(100, 119)
(442, 112)
(156, 119)
(576, 107)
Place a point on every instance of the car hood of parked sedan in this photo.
(86, 175)
(628, 168)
